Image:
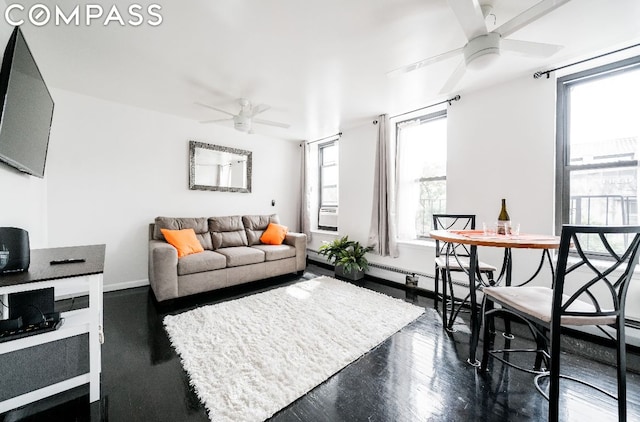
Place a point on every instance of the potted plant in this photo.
(347, 256)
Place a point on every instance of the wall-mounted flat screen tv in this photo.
(26, 109)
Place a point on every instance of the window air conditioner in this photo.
(328, 219)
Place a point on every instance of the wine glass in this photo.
(489, 229)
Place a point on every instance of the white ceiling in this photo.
(321, 64)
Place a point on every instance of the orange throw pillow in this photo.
(185, 241)
(274, 235)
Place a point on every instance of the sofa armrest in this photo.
(163, 270)
(299, 241)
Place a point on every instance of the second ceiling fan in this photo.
(483, 47)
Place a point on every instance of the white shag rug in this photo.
(250, 357)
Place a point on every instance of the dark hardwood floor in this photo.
(418, 374)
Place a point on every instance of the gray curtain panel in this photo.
(382, 235)
(305, 194)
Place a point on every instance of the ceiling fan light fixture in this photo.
(482, 51)
(242, 123)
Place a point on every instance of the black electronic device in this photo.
(26, 109)
(31, 312)
(33, 305)
(9, 325)
(14, 249)
(50, 324)
(67, 261)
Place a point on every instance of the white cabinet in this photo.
(68, 280)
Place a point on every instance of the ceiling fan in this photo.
(484, 47)
(243, 121)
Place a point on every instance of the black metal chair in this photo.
(584, 292)
(454, 258)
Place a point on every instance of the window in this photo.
(328, 186)
(328, 157)
(421, 156)
(597, 146)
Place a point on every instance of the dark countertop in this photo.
(40, 268)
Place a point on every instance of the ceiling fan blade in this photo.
(215, 108)
(425, 62)
(270, 123)
(454, 79)
(216, 120)
(470, 17)
(528, 48)
(260, 108)
(525, 18)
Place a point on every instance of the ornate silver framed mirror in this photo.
(219, 168)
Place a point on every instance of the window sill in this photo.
(418, 243)
(600, 264)
(325, 232)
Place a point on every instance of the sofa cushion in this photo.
(276, 252)
(242, 255)
(201, 262)
(227, 232)
(185, 241)
(199, 225)
(255, 225)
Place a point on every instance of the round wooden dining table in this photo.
(475, 238)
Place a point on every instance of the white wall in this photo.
(113, 168)
(502, 145)
(357, 159)
(24, 204)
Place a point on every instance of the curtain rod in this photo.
(337, 135)
(538, 75)
(450, 100)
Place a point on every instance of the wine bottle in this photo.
(503, 219)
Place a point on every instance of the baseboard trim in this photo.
(111, 287)
(419, 290)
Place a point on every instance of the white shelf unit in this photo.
(76, 322)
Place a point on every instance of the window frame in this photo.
(563, 164)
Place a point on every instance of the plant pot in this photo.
(348, 275)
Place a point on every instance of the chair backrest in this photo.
(453, 222)
(600, 279)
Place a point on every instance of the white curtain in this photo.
(382, 235)
(305, 194)
(224, 174)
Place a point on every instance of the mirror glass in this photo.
(214, 167)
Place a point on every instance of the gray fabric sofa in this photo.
(233, 254)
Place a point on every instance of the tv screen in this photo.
(26, 109)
